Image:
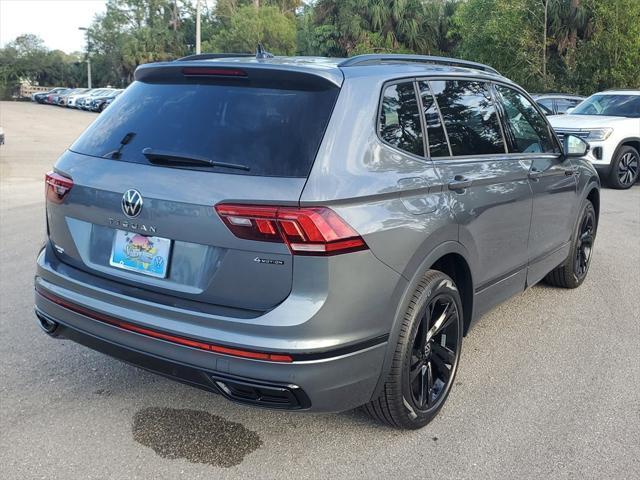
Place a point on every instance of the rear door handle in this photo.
(570, 171)
(460, 183)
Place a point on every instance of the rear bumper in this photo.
(248, 391)
(332, 379)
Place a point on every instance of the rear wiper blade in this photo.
(161, 157)
(116, 154)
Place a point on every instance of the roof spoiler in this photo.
(264, 74)
(380, 59)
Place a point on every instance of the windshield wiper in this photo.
(160, 157)
(116, 154)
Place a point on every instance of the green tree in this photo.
(506, 34)
(347, 27)
(132, 32)
(249, 26)
(567, 45)
(26, 58)
(438, 28)
(397, 22)
(611, 56)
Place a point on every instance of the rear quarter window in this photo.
(399, 122)
(274, 132)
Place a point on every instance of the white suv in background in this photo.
(610, 122)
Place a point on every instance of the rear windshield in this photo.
(274, 132)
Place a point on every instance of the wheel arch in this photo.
(629, 142)
(456, 266)
(593, 196)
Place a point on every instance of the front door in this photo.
(552, 179)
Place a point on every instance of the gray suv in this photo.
(310, 233)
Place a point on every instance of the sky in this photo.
(55, 21)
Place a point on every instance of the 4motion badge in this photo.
(268, 261)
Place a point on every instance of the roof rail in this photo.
(208, 56)
(377, 59)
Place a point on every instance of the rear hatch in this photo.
(133, 199)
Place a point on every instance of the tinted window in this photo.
(469, 117)
(546, 103)
(544, 109)
(438, 146)
(614, 105)
(274, 132)
(400, 118)
(527, 129)
(562, 104)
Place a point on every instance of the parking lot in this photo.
(548, 385)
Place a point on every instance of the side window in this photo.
(438, 146)
(469, 117)
(563, 104)
(544, 109)
(546, 103)
(528, 130)
(399, 123)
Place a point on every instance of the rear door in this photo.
(489, 189)
(552, 179)
(148, 221)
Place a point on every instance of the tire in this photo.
(406, 403)
(625, 168)
(572, 272)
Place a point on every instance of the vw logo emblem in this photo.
(132, 203)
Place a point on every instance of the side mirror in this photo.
(575, 146)
(569, 110)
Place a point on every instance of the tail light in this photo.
(306, 230)
(56, 187)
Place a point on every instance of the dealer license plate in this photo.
(139, 253)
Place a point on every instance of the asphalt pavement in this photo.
(548, 385)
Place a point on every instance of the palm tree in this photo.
(569, 20)
(397, 21)
(437, 26)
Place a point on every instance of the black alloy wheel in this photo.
(584, 246)
(434, 353)
(426, 355)
(572, 272)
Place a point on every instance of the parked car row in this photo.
(95, 99)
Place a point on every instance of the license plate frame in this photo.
(143, 254)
